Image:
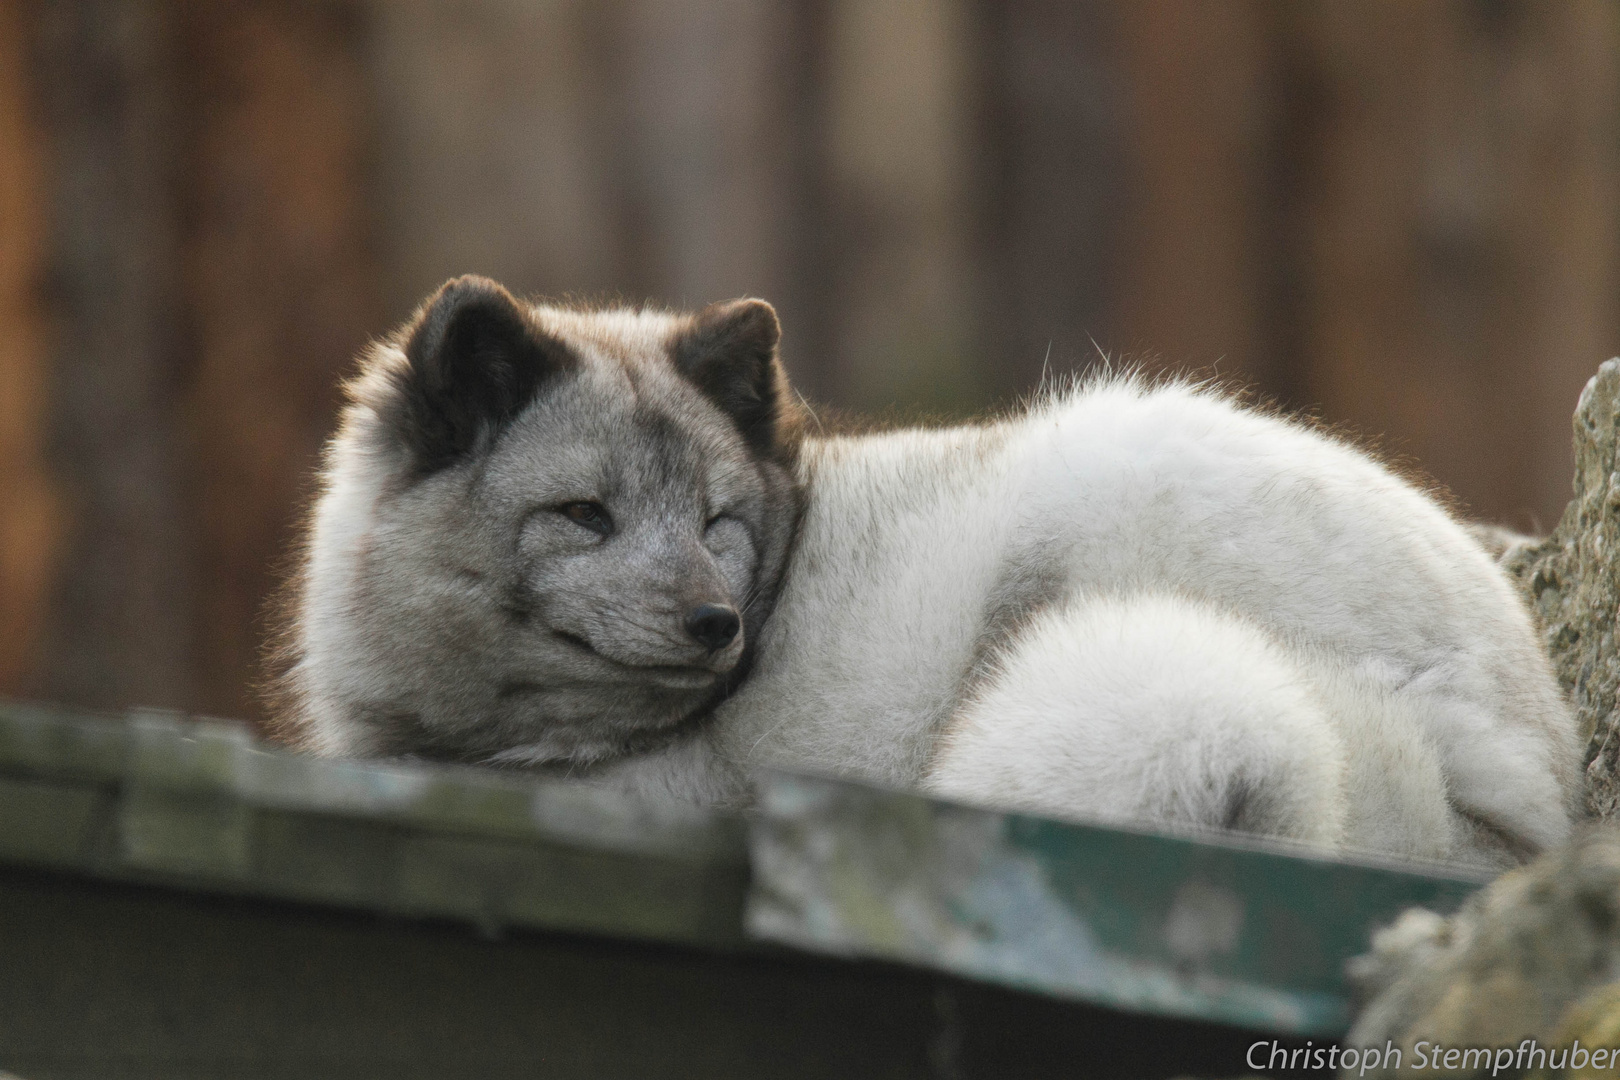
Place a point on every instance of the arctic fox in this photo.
(606, 542)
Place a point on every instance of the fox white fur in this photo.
(1130, 602)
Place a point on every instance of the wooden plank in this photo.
(493, 119)
(281, 292)
(32, 524)
(902, 302)
(1454, 200)
(1194, 290)
(704, 91)
(120, 627)
(1053, 138)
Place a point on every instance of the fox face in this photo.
(547, 536)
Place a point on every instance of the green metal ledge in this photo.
(1211, 927)
(1203, 927)
(199, 804)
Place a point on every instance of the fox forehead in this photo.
(580, 442)
(627, 428)
(628, 336)
(627, 368)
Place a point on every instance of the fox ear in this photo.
(475, 360)
(729, 352)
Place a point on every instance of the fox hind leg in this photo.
(1149, 708)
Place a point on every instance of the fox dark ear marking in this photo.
(730, 353)
(475, 360)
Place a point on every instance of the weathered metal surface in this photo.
(1192, 927)
(1211, 928)
(104, 980)
(201, 804)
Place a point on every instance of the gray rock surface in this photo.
(1515, 963)
(1537, 954)
(1573, 583)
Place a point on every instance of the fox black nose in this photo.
(714, 625)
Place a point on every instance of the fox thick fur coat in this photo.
(606, 543)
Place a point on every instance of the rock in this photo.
(1534, 956)
(1593, 1023)
(1573, 585)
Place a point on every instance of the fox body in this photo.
(604, 542)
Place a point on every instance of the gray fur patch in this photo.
(515, 586)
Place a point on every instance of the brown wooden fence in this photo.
(1402, 215)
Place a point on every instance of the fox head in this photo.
(544, 534)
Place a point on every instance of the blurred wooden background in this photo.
(1402, 215)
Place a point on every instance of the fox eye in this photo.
(588, 515)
